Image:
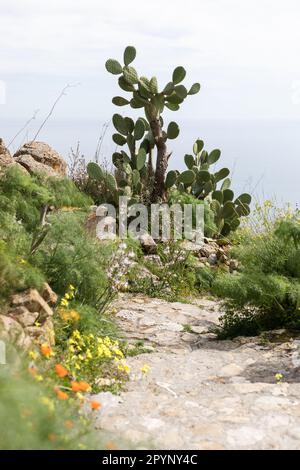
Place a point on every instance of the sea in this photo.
(263, 155)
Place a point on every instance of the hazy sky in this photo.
(245, 54)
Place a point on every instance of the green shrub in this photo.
(16, 274)
(205, 277)
(23, 196)
(65, 194)
(86, 319)
(174, 277)
(177, 197)
(35, 420)
(69, 255)
(265, 294)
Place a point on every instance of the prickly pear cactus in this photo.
(202, 183)
(146, 94)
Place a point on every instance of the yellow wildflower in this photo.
(124, 368)
(33, 355)
(145, 369)
(47, 402)
(118, 352)
(64, 303)
(89, 354)
(278, 377)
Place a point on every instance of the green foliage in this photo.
(176, 275)
(23, 196)
(35, 419)
(89, 322)
(199, 181)
(16, 274)
(69, 256)
(182, 198)
(205, 278)
(145, 94)
(265, 293)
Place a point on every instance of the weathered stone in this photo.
(42, 333)
(244, 436)
(33, 301)
(12, 332)
(191, 246)
(40, 157)
(23, 316)
(33, 317)
(207, 250)
(233, 265)
(230, 370)
(49, 295)
(212, 259)
(148, 244)
(5, 157)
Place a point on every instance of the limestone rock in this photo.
(212, 259)
(12, 332)
(5, 157)
(207, 250)
(23, 316)
(42, 333)
(31, 317)
(48, 295)
(33, 301)
(148, 244)
(40, 157)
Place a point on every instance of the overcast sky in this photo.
(244, 53)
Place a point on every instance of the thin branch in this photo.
(100, 140)
(62, 93)
(24, 127)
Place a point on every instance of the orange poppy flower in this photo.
(46, 350)
(111, 446)
(85, 387)
(32, 371)
(69, 424)
(80, 386)
(52, 437)
(61, 371)
(95, 405)
(60, 394)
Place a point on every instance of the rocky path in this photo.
(201, 393)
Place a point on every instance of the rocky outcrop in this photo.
(40, 157)
(212, 254)
(5, 157)
(29, 318)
